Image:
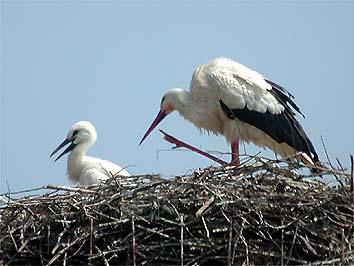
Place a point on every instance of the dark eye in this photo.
(75, 132)
(163, 98)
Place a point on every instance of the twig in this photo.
(342, 247)
(106, 263)
(325, 150)
(70, 189)
(91, 240)
(239, 234)
(292, 245)
(152, 231)
(205, 206)
(19, 192)
(246, 249)
(13, 239)
(59, 241)
(352, 175)
(229, 259)
(206, 229)
(282, 242)
(19, 250)
(66, 253)
(182, 242)
(62, 251)
(133, 241)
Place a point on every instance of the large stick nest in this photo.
(262, 213)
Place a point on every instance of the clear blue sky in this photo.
(110, 63)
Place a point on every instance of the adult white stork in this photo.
(227, 98)
(83, 169)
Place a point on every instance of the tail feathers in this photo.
(311, 162)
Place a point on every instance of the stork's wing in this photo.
(264, 105)
(97, 170)
(238, 93)
(280, 127)
(284, 97)
(236, 84)
(92, 176)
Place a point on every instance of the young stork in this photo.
(83, 169)
(230, 99)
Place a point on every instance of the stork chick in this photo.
(83, 169)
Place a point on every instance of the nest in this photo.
(262, 213)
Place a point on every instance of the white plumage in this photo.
(236, 84)
(83, 169)
(230, 99)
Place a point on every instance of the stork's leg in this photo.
(181, 144)
(235, 158)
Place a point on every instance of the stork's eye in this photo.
(75, 132)
(162, 100)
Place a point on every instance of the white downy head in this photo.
(80, 136)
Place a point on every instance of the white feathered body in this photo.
(238, 86)
(86, 170)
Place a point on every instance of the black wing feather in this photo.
(280, 94)
(281, 127)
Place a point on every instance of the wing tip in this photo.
(285, 96)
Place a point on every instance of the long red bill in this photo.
(160, 116)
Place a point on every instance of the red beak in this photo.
(160, 116)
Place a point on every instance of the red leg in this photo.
(180, 144)
(235, 158)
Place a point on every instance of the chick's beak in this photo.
(61, 145)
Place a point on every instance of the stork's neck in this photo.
(184, 105)
(188, 109)
(202, 112)
(74, 163)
